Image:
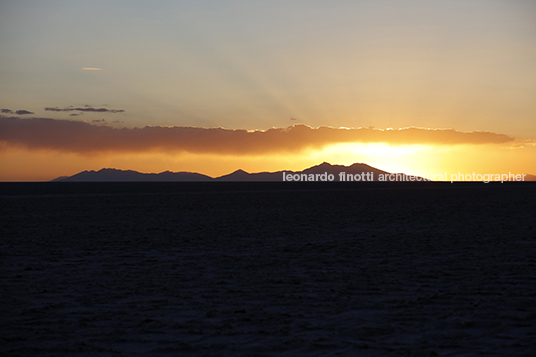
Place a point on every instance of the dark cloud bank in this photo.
(82, 137)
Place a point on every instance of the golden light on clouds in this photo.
(66, 147)
(91, 69)
(82, 137)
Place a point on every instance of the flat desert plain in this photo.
(268, 269)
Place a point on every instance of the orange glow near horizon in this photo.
(429, 160)
(391, 158)
(422, 160)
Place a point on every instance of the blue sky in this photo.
(254, 64)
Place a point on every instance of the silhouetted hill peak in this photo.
(354, 172)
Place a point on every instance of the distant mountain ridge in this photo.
(313, 173)
(111, 175)
(322, 172)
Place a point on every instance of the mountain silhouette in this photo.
(241, 175)
(115, 175)
(322, 172)
(354, 169)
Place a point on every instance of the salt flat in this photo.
(260, 269)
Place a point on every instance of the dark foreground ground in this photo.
(279, 269)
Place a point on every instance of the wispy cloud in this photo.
(23, 112)
(18, 112)
(84, 109)
(82, 137)
(91, 69)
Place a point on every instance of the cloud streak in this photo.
(23, 112)
(86, 138)
(84, 109)
(18, 112)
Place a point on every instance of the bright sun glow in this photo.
(409, 159)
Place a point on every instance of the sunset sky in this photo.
(421, 86)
